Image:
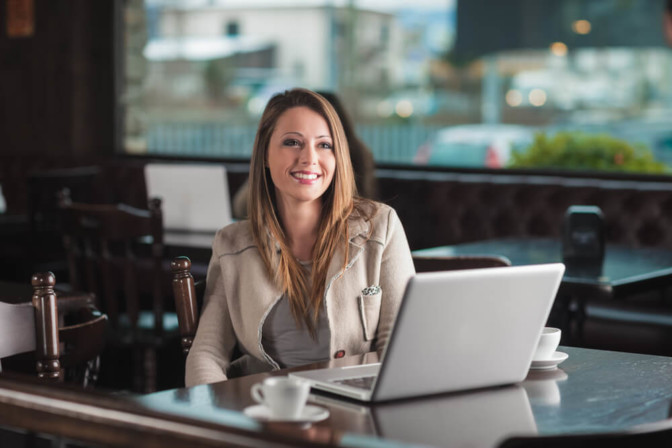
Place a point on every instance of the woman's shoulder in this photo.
(373, 218)
(234, 238)
(369, 210)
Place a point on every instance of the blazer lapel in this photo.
(359, 229)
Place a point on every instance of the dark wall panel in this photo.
(57, 86)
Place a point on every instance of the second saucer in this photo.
(551, 363)
(310, 414)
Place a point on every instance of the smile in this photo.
(305, 176)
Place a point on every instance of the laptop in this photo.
(455, 331)
(195, 197)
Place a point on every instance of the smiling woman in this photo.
(301, 162)
(289, 286)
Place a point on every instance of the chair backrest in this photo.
(33, 327)
(44, 188)
(82, 343)
(116, 251)
(451, 263)
(188, 294)
(45, 248)
(68, 351)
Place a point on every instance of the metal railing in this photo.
(395, 144)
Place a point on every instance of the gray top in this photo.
(290, 345)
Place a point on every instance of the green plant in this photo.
(582, 151)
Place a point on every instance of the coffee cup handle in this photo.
(256, 393)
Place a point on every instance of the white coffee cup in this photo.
(285, 397)
(548, 343)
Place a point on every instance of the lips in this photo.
(304, 175)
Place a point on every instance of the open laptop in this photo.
(455, 330)
(195, 197)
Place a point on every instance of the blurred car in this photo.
(476, 145)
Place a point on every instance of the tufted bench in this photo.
(441, 208)
(450, 208)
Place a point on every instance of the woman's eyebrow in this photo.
(292, 132)
(300, 134)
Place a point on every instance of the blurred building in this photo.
(276, 46)
(487, 26)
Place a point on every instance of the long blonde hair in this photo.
(338, 203)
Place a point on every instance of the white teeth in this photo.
(305, 176)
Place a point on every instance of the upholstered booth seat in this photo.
(449, 208)
(441, 208)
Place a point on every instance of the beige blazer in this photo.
(240, 294)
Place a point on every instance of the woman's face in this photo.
(300, 156)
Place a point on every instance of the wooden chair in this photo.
(42, 187)
(67, 352)
(451, 263)
(188, 297)
(116, 251)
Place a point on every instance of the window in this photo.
(232, 29)
(455, 83)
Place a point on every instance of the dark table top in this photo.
(195, 245)
(623, 267)
(200, 240)
(592, 391)
(13, 292)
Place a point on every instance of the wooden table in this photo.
(624, 272)
(592, 391)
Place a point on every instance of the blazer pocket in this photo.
(369, 311)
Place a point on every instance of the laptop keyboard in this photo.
(363, 382)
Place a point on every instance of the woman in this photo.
(316, 272)
(361, 157)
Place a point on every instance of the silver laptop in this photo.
(455, 330)
(195, 197)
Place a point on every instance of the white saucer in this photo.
(551, 363)
(310, 414)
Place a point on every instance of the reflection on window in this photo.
(424, 85)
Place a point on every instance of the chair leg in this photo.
(33, 441)
(149, 370)
(144, 370)
(138, 370)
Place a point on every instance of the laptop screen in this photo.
(195, 197)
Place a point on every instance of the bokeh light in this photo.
(537, 97)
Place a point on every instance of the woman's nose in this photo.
(309, 155)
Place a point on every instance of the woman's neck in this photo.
(301, 224)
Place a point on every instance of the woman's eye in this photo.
(291, 142)
(326, 145)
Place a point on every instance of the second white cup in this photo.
(285, 397)
(548, 343)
